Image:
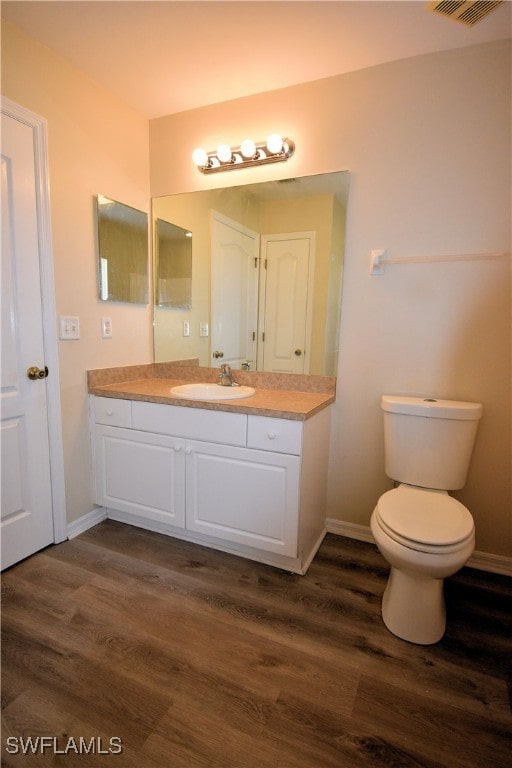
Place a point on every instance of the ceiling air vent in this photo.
(468, 12)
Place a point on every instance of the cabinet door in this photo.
(246, 496)
(141, 473)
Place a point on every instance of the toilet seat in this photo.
(424, 520)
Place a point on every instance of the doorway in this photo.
(33, 500)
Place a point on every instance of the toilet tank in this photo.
(428, 442)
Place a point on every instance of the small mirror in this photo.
(122, 252)
(173, 266)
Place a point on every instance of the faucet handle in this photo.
(225, 376)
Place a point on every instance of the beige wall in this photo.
(95, 144)
(427, 143)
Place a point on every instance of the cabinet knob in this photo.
(110, 412)
(188, 451)
(271, 435)
(177, 448)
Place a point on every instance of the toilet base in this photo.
(413, 607)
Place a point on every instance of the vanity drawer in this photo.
(280, 435)
(113, 411)
(192, 423)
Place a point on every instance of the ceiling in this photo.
(163, 57)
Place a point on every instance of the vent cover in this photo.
(468, 12)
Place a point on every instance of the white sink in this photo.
(211, 392)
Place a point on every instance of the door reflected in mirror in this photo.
(267, 264)
(122, 252)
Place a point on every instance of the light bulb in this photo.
(248, 148)
(199, 156)
(274, 143)
(224, 153)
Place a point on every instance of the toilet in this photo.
(423, 533)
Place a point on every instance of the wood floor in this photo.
(194, 658)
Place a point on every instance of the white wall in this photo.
(95, 144)
(427, 142)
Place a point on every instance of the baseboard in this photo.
(350, 530)
(89, 520)
(482, 561)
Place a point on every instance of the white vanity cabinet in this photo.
(252, 485)
(136, 471)
(242, 495)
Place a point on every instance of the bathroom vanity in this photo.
(245, 476)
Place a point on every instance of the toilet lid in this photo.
(425, 517)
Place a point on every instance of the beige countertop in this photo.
(277, 402)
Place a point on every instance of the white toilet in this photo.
(423, 533)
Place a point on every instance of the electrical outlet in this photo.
(69, 328)
(203, 329)
(186, 328)
(106, 328)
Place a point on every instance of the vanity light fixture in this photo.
(274, 150)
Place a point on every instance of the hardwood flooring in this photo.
(192, 658)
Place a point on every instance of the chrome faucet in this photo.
(226, 377)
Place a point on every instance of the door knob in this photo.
(217, 354)
(298, 352)
(35, 373)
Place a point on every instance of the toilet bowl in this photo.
(425, 535)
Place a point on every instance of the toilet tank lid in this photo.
(431, 407)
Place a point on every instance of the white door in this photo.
(286, 302)
(27, 506)
(234, 293)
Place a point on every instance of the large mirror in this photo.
(267, 262)
(122, 252)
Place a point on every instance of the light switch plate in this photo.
(69, 327)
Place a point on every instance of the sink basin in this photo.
(211, 392)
